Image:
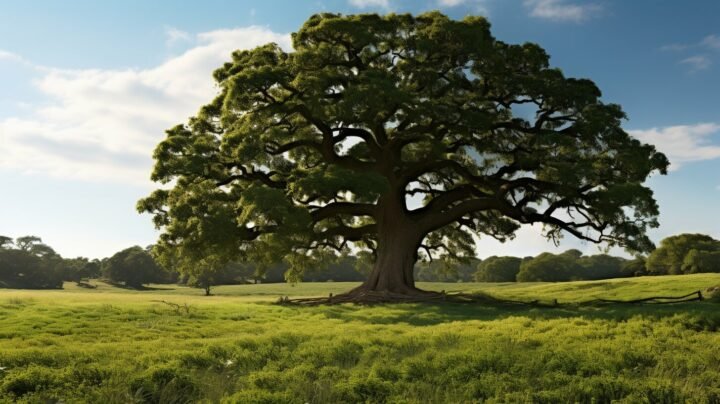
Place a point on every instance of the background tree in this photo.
(28, 263)
(498, 269)
(303, 154)
(548, 267)
(239, 273)
(669, 257)
(6, 242)
(133, 267)
(697, 261)
(634, 267)
(77, 269)
(205, 275)
(344, 270)
(444, 270)
(600, 266)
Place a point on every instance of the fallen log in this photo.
(690, 297)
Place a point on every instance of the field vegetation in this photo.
(171, 344)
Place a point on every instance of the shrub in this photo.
(29, 380)
(165, 384)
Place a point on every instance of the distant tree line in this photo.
(26, 262)
(676, 255)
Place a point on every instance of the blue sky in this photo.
(87, 88)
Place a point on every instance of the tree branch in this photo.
(342, 208)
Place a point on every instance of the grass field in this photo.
(113, 345)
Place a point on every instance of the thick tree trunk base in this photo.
(365, 296)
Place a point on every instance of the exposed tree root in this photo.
(369, 297)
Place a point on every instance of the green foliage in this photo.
(601, 266)
(308, 153)
(28, 263)
(343, 270)
(634, 267)
(167, 384)
(498, 269)
(571, 265)
(76, 269)
(446, 270)
(674, 255)
(133, 267)
(697, 261)
(118, 346)
(548, 267)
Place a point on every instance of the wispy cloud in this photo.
(684, 143)
(5, 55)
(705, 47)
(711, 42)
(370, 3)
(15, 58)
(174, 36)
(697, 63)
(102, 125)
(479, 6)
(561, 10)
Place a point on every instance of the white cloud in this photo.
(711, 41)
(683, 143)
(451, 3)
(103, 124)
(5, 55)
(480, 6)
(370, 3)
(174, 36)
(560, 10)
(697, 63)
(15, 58)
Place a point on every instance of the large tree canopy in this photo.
(401, 135)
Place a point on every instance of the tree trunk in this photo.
(395, 263)
(207, 290)
(398, 241)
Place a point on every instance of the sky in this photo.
(87, 89)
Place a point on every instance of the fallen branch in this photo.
(690, 297)
(179, 308)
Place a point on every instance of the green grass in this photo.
(114, 345)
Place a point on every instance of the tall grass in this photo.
(118, 346)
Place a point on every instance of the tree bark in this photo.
(395, 263)
(399, 238)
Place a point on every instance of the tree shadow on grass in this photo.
(137, 288)
(706, 314)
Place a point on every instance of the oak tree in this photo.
(402, 136)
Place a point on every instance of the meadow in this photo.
(115, 345)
